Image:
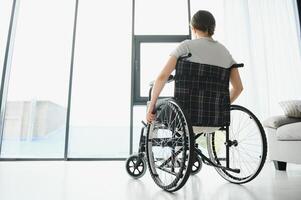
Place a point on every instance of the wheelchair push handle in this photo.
(185, 56)
(170, 78)
(237, 65)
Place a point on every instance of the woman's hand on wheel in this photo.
(150, 115)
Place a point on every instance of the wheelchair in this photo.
(236, 149)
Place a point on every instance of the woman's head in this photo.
(203, 21)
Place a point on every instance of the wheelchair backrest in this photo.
(203, 92)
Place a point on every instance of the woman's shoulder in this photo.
(185, 42)
(204, 42)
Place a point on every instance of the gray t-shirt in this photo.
(206, 51)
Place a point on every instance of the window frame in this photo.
(136, 60)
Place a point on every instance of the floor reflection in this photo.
(208, 185)
(136, 189)
(233, 191)
(193, 188)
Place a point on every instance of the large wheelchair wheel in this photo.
(247, 146)
(169, 146)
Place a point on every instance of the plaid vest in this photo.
(203, 92)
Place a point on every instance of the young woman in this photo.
(205, 50)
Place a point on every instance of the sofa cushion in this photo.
(277, 121)
(289, 132)
(291, 108)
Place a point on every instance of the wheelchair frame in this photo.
(229, 143)
(140, 157)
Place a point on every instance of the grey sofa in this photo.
(284, 140)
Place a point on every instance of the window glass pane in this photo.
(157, 17)
(5, 12)
(100, 108)
(139, 113)
(153, 57)
(36, 104)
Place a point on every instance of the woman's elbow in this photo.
(240, 89)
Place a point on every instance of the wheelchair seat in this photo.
(203, 92)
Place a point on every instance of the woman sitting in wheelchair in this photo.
(201, 104)
(204, 50)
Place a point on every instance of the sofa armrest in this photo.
(280, 120)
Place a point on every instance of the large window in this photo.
(35, 115)
(100, 107)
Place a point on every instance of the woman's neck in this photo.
(198, 36)
(201, 34)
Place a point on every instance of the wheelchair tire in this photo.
(247, 150)
(135, 166)
(196, 166)
(168, 147)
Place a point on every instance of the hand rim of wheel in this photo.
(175, 185)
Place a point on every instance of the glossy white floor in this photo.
(107, 180)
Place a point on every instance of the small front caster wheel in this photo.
(135, 166)
(196, 166)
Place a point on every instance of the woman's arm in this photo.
(236, 84)
(158, 86)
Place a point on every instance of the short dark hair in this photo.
(203, 21)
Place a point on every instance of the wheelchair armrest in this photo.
(170, 79)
